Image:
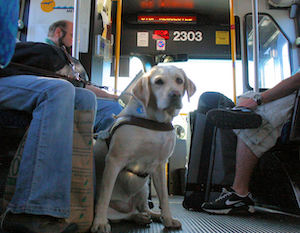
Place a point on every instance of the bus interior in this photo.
(213, 41)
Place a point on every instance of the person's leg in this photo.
(85, 99)
(44, 180)
(245, 163)
(234, 118)
(211, 100)
(238, 198)
(252, 144)
(106, 108)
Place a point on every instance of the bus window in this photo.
(135, 66)
(208, 75)
(274, 58)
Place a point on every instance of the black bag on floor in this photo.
(211, 154)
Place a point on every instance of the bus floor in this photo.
(198, 222)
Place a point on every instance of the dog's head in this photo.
(163, 88)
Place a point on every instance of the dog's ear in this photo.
(141, 90)
(189, 86)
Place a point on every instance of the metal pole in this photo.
(255, 44)
(118, 43)
(233, 48)
(75, 44)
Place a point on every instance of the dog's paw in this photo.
(142, 218)
(101, 227)
(155, 217)
(171, 223)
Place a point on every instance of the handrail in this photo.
(75, 47)
(255, 43)
(118, 43)
(233, 48)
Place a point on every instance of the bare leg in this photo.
(245, 163)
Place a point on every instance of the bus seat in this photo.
(14, 119)
(295, 123)
(13, 125)
(276, 179)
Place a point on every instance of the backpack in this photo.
(35, 58)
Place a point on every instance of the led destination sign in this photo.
(166, 19)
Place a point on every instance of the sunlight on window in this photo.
(269, 74)
(286, 61)
(273, 56)
(135, 65)
(208, 75)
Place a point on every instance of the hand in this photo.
(115, 97)
(247, 102)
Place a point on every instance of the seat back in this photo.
(275, 183)
(295, 125)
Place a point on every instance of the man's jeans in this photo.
(106, 108)
(44, 180)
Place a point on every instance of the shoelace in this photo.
(225, 193)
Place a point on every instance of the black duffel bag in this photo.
(41, 59)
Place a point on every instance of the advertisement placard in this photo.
(42, 13)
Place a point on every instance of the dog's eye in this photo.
(159, 81)
(179, 80)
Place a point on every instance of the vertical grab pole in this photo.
(118, 42)
(255, 43)
(233, 48)
(75, 47)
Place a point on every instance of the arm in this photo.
(101, 93)
(282, 89)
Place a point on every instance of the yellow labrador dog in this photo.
(136, 152)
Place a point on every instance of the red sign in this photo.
(161, 34)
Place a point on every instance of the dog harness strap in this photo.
(137, 121)
(141, 122)
(148, 124)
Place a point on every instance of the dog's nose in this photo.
(175, 99)
(174, 94)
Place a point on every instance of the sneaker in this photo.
(234, 118)
(229, 202)
(27, 223)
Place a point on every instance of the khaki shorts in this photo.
(274, 115)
